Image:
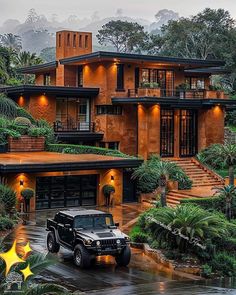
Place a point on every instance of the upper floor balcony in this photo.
(172, 93)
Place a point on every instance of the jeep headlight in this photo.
(118, 242)
(88, 241)
(98, 243)
(127, 239)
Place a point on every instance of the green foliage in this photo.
(150, 85)
(52, 289)
(108, 189)
(8, 107)
(188, 220)
(138, 236)
(37, 132)
(206, 271)
(22, 121)
(21, 112)
(224, 263)
(83, 149)
(150, 172)
(27, 193)
(7, 197)
(6, 223)
(123, 35)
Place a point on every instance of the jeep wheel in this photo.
(82, 258)
(52, 245)
(123, 258)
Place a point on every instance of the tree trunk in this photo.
(231, 175)
(163, 196)
(163, 184)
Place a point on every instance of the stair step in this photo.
(173, 202)
(177, 195)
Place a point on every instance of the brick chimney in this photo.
(69, 44)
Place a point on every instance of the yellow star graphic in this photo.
(27, 249)
(27, 272)
(11, 258)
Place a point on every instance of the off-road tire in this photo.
(52, 245)
(123, 258)
(82, 258)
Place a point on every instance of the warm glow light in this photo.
(43, 101)
(216, 109)
(21, 101)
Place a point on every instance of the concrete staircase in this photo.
(200, 175)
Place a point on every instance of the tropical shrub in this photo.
(206, 271)
(27, 193)
(224, 263)
(7, 197)
(137, 235)
(6, 223)
(83, 149)
(22, 121)
(8, 108)
(37, 132)
(48, 131)
(21, 112)
(168, 224)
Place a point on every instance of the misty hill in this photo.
(38, 32)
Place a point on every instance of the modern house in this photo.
(139, 104)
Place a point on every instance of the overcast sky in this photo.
(85, 8)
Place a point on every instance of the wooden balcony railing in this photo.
(74, 127)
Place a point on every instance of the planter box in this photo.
(3, 148)
(26, 144)
(149, 92)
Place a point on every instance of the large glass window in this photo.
(120, 77)
(195, 82)
(72, 114)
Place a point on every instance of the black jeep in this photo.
(89, 233)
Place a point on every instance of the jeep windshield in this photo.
(88, 222)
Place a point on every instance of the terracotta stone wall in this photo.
(210, 126)
(104, 177)
(39, 78)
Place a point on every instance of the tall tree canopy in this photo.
(11, 41)
(124, 36)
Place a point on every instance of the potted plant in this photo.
(27, 194)
(181, 89)
(108, 190)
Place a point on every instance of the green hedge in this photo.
(214, 203)
(83, 149)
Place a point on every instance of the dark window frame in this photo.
(47, 79)
(109, 110)
(115, 143)
(120, 77)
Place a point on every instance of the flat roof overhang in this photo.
(73, 137)
(50, 66)
(33, 162)
(128, 57)
(208, 71)
(53, 90)
(174, 102)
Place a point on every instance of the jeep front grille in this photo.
(108, 243)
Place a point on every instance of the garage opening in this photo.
(66, 191)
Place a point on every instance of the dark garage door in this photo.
(66, 191)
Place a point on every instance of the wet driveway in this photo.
(141, 277)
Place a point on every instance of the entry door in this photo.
(188, 133)
(129, 188)
(167, 133)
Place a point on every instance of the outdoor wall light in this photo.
(21, 182)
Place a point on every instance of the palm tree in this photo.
(11, 41)
(227, 192)
(25, 59)
(169, 225)
(225, 154)
(156, 173)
